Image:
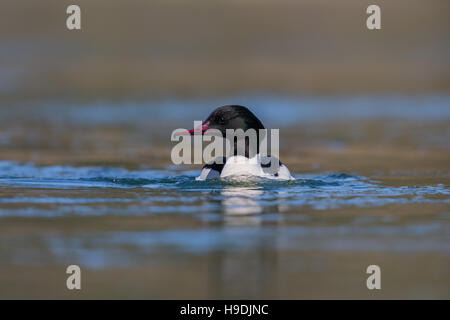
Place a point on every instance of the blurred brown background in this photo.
(208, 48)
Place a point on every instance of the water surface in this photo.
(93, 185)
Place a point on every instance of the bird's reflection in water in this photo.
(251, 272)
(241, 207)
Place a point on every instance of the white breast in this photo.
(241, 166)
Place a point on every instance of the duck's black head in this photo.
(234, 117)
(230, 117)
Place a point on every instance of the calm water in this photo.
(93, 185)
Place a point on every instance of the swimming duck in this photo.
(247, 162)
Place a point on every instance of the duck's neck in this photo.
(250, 150)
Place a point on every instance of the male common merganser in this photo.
(248, 162)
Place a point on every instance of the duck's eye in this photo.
(222, 120)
